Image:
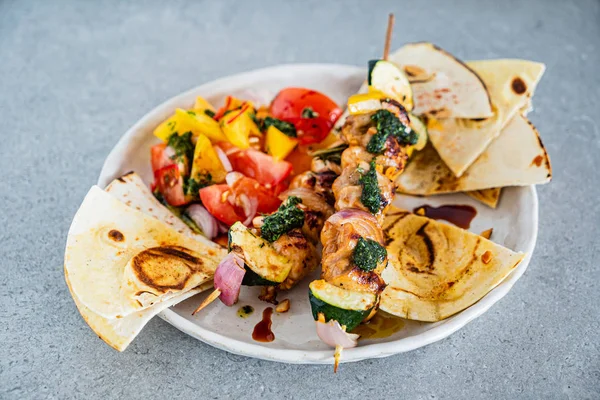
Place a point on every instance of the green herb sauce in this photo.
(367, 254)
(286, 218)
(371, 193)
(389, 125)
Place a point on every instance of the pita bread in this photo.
(511, 84)
(489, 197)
(118, 333)
(436, 270)
(442, 85)
(120, 261)
(516, 158)
(131, 190)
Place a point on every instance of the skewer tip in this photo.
(388, 36)
(211, 297)
(336, 357)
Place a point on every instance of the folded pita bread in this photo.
(131, 190)
(120, 332)
(120, 261)
(436, 270)
(489, 197)
(511, 84)
(516, 158)
(442, 85)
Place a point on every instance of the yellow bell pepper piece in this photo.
(200, 123)
(365, 102)
(202, 104)
(167, 128)
(238, 126)
(278, 144)
(206, 166)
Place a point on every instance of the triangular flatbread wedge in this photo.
(131, 190)
(516, 158)
(442, 85)
(118, 333)
(436, 270)
(511, 84)
(120, 261)
(489, 197)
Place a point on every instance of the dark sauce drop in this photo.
(262, 331)
(457, 214)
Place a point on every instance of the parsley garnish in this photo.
(191, 186)
(285, 127)
(182, 145)
(333, 154)
(210, 113)
(308, 112)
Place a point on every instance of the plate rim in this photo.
(293, 356)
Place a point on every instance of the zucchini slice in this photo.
(260, 256)
(251, 278)
(418, 126)
(347, 307)
(387, 78)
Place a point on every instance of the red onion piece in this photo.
(250, 206)
(224, 160)
(223, 227)
(332, 334)
(363, 222)
(204, 220)
(232, 178)
(228, 278)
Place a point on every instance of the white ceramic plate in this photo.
(515, 224)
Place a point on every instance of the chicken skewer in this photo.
(354, 255)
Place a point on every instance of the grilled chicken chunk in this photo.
(339, 238)
(301, 253)
(348, 190)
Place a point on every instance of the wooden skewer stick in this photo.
(386, 52)
(388, 36)
(336, 357)
(212, 297)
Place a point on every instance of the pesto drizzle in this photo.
(367, 254)
(389, 125)
(371, 193)
(286, 218)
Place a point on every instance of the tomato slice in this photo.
(260, 166)
(212, 199)
(159, 157)
(170, 184)
(267, 199)
(293, 105)
(311, 130)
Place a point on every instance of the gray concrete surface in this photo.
(75, 75)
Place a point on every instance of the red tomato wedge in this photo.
(212, 198)
(290, 105)
(159, 158)
(260, 166)
(170, 184)
(267, 199)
